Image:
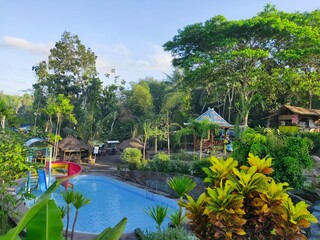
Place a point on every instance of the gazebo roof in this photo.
(72, 144)
(214, 117)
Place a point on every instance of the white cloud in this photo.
(161, 60)
(20, 43)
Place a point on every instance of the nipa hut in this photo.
(71, 149)
(132, 143)
(293, 119)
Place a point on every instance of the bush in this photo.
(292, 166)
(197, 167)
(183, 156)
(169, 234)
(243, 202)
(132, 157)
(284, 149)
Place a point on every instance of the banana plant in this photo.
(30, 219)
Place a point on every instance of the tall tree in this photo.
(61, 107)
(70, 70)
(239, 53)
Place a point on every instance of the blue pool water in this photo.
(111, 200)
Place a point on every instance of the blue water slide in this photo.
(42, 181)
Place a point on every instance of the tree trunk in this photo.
(74, 224)
(3, 122)
(200, 155)
(144, 148)
(156, 145)
(168, 136)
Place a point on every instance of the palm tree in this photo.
(181, 185)
(62, 107)
(68, 197)
(78, 202)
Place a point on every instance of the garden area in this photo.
(210, 136)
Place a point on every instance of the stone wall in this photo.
(157, 181)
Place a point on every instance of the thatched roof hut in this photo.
(71, 148)
(133, 143)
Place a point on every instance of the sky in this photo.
(126, 35)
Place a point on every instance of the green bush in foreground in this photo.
(169, 234)
(132, 157)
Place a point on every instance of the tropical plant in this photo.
(68, 197)
(169, 234)
(78, 202)
(158, 214)
(246, 204)
(181, 185)
(13, 165)
(132, 157)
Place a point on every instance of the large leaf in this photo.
(47, 224)
(113, 233)
(13, 233)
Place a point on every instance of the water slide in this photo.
(73, 169)
(42, 180)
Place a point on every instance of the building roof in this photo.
(302, 111)
(133, 143)
(214, 117)
(72, 144)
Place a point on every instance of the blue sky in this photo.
(125, 34)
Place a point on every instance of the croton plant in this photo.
(246, 203)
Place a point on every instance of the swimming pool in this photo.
(111, 200)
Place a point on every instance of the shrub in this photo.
(183, 156)
(132, 157)
(169, 234)
(161, 157)
(197, 167)
(268, 142)
(244, 203)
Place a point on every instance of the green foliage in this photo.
(314, 136)
(13, 165)
(169, 234)
(197, 167)
(161, 157)
(290, 153)
(181, 185)
(68, 197)
(163, 163)
(78, 202)
(51, 229)
(177, 218)
(132, 157)
(115, 232)
(246, 204)
(158, 214)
